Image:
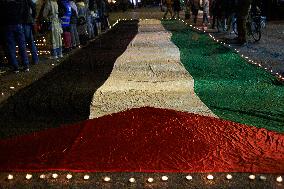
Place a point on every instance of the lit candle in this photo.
(69, 176)
(229, 177)
(28, 176)
(279, 179)
(86, 177)
(42, 176)
(252, 177)
(188, 177)
(10, 177)
(164, 178)
(54, 175)
(106, 179)
(210, 177)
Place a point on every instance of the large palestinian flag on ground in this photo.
(148, 96)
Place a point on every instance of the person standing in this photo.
(194, 9)
(73, 25)
(177, 8)
(205, 5)
(50, 12)
(169, 5)
(28, 29)
(242, 11)
(82, 21)
(14, 11)
(65, 15)
(187, 9)
(215, 11)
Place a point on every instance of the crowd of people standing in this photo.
(226, 9)
(66, 24)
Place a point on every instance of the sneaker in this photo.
(16, 71)
(60, 56)
(26, 69)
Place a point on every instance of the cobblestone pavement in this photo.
(269, 51)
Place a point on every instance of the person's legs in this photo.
(174, 14)
(213, 21)
(241, 28)
(171, 11)
(72, 31)
(11, 46)
(30, 41)
(165, 15)
(204, 18)
(195, 13)
(99, 27)
(242, 14)
(54, 44)
(59, 45)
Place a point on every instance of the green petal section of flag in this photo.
(231, 87)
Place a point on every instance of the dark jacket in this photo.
(30, 12)
(13, 12)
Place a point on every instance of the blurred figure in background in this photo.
(177, 8)
(65, 15)
(82, 21)
(50, 12)
(105, 14)
(28, 26)
(187, 9)
(2, 37)
(169, 6)
(90, 26)
(14, 14)
(73, 25)
(194, 9)
(242, 11)
(205, 5)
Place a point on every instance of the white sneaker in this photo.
(60, 56)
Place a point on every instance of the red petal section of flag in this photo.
(147, 140)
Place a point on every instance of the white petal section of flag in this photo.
(148, 73)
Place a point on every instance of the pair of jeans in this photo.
(56, 52)
(205, 18)
(15, 35)
(74, 35)
(28, 30)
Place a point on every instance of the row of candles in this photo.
(69, 176)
